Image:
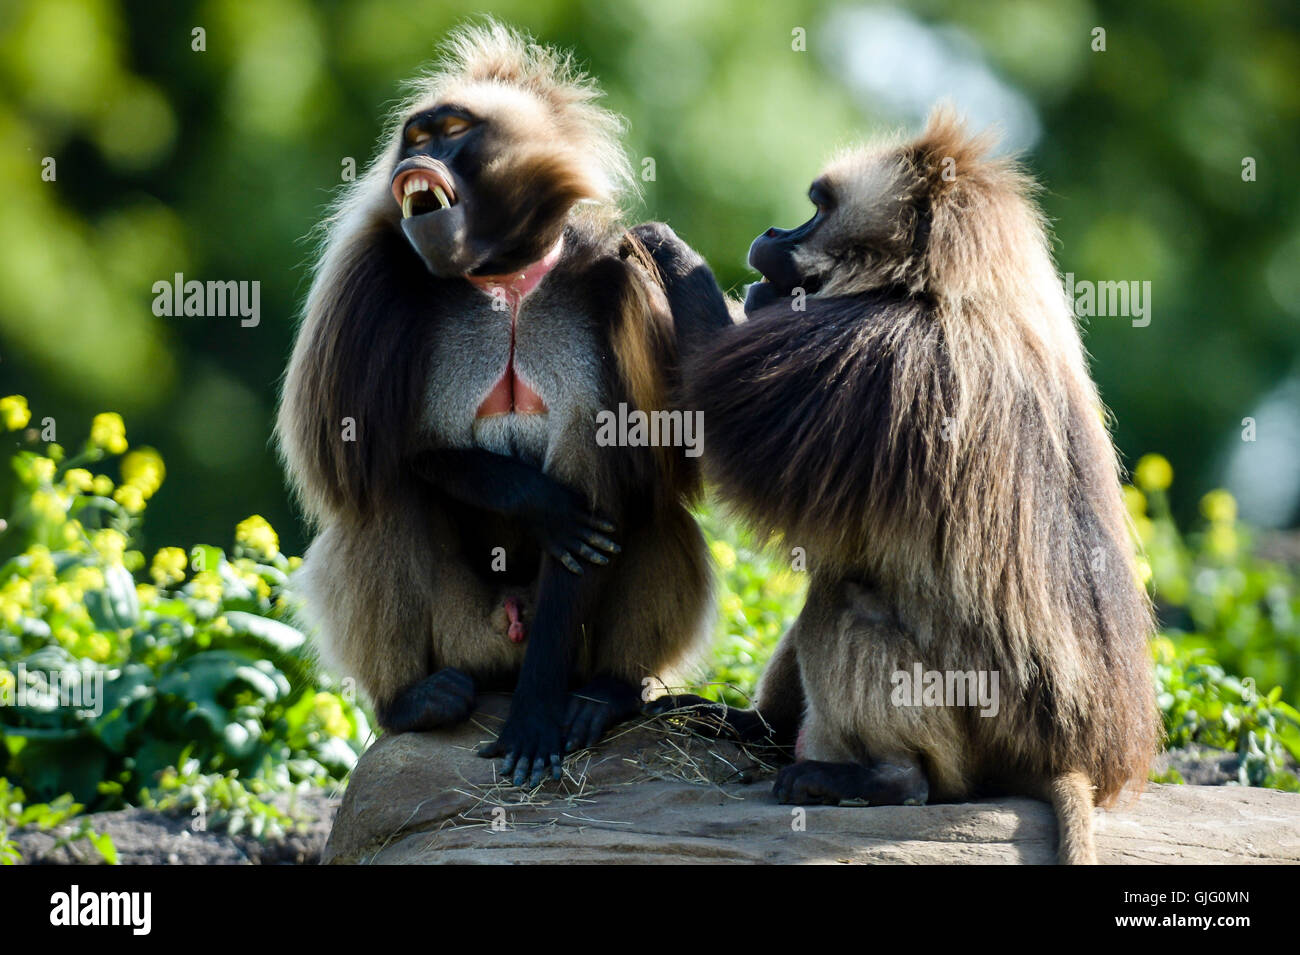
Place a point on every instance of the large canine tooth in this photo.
(442, 197)
(406, 206)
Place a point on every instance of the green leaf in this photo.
(103, 842)
(279, 635)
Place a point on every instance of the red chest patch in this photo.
(511, 394)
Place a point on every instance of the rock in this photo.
(654, 792)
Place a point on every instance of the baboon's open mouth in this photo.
(422, 186)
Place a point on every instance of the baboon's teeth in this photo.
(420, 182)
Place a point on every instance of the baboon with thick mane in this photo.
(476, 303)
(909, 401)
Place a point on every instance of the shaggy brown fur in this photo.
(399, 581)
(927, 429)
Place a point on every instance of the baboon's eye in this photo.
(417, 134)
(453, 126)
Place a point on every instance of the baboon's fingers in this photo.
(604, 543)
(565, 558)
(592, 556)
(601, 523)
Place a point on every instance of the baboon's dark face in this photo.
(484, 189)
(858, 237)
(790, 259)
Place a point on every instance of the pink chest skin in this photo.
(512, 394)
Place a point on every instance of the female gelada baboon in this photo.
(909, 402)
(475, 305)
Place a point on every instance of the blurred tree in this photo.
(218, 163)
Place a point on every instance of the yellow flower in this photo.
(49, 505)
(1162, 650)
(207, 586)
(295, 563)
(130, 497)
(40, 564)
(724, 554)
(144, 469)
(1135, 502)
(18, 590)
(14, 412)
(258, 536)
(732, 605)
(1143, 569)
(108, 431)
(1146, 529)
(1220, 507)
(58, 598)
(7, 683)
(168, 566)
(43, 469)
(329, 711)
(146, 593)
(1153, 473)
(110, 544)
(1221, 540)
(97, 647)
(102, 485)
(79, 481)
(88, 578)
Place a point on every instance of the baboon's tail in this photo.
(1071, 796)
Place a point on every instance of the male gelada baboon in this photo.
(476, 303)
(909, 402)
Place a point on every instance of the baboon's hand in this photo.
(570, 531)
(531, 743)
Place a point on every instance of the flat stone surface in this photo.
(656, 793)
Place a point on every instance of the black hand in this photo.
(531, 742)
(567, 529)
(565, 526)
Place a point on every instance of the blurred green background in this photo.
(218, 164)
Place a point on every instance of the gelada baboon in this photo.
(909, 402)
(476, 303)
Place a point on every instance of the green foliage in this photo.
(220, 801)
(1213, 589)
(110, 683)
(758, 598)
(1203, 704)
(17, 813)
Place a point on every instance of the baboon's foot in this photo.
(596, 707)
(443, 699)
(720, 720)
(812, 782)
